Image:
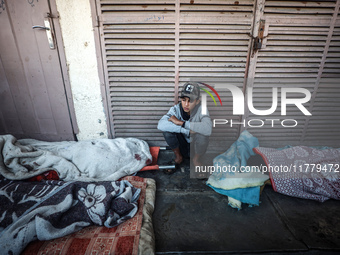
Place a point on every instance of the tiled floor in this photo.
(190, 218)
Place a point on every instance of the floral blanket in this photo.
(304, 172)
(50, 209)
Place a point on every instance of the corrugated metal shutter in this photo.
(301, 49)
(324, 125)
(151, 48)
(214, 43)
(138, 42)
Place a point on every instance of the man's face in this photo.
(187, 105)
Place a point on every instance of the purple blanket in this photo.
(304, 172)
(51, 209)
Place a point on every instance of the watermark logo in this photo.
(238, 100)
(204, 97)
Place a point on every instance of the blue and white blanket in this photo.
(52, 209)
(233, 177)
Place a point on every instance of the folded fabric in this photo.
(232, 176)
(238, 196)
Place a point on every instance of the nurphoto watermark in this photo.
(247, 112)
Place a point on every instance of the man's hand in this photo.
(176, 121)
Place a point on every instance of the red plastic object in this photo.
(153, 166)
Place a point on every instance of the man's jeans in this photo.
(199, 143)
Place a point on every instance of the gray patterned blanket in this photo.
(50, 209)
(304, 172)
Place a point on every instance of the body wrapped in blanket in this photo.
(50, 209)
(304, 172)
(93, 160)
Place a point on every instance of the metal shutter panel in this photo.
(323, 126)
(151, 48)
(138, 50)
(214, 39)
(298, 52)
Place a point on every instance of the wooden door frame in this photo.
(63, 65)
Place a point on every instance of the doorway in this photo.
(35, 96)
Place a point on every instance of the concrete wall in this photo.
(78, 36)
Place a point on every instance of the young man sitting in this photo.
(184, 124)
